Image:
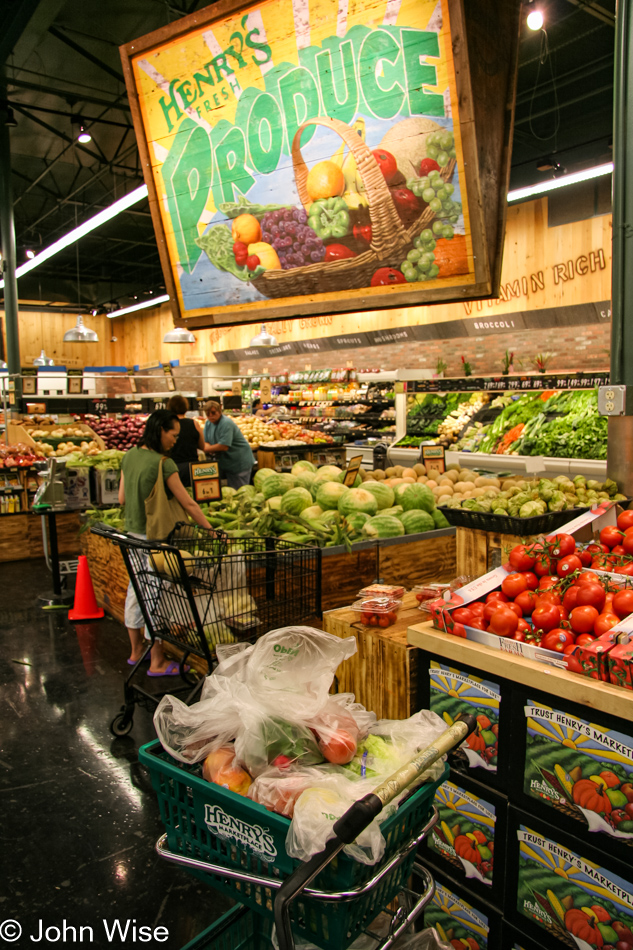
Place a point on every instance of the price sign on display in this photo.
(132, 379)
(169, 377)
(205, 480)
(266, 390)
(100, 406)
(75, 382)
(236, 387)
(432, 456)
(352, 470)
(29, 381)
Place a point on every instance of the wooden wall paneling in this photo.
(416, 562)
(14, 538)
(343, 575)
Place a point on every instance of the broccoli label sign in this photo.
(310, 154)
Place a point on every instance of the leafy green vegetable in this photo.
(243, 206)
(218, 242)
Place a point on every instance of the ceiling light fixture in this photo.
(140, 306)
(80, 333)
(518, 194)
(179, 335)
(96, 221)
(83, 135)
(534, 18)
(263, 338)
(43, 360)
(30, 254)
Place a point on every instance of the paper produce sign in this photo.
(312, 154)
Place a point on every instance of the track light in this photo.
(84, 136)
(29, 253)
(9, 118)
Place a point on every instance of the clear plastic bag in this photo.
(392, 742)
(278, 789)
(190, 733)
(339, 725)
(265, 740)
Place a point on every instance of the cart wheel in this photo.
(121, 725)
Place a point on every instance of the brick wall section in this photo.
(584, 348)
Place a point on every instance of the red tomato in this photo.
(384, 620)
(520, 559)
(625, 520)
(490, 608)
(618, 549)
(595, 548)
(386, 163)
(570, 597)
(252, 261)
(570, 647)
(548, 581)
(583, 638)
(626, 569)
(385, 276)
(497, 595)
(459, 630)
(623, 603)
(463, 615)
(586, 557)
(476, 608)
(523, 626)
(544, 565)
(503, 622)
(513, 585)
(627, 543)
(561, 545)
(546, 617)
(407, 205)
(592, 594)
(518, 635)
(611, 536)
(572, 663)
(527, 602)
(338, 252)
(583, 619)
(531, 579)
(588, 577)
(240, 251)
(516, 609)
(365, 618)
(549, 596)
(339, 748)
(602, 563)
(556, 639)
(567, 565)
(479, 623)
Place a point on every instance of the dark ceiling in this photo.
(62, 60)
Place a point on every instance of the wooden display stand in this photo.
(383, 673)
(21, 535)
(108, 573)
(478, 552)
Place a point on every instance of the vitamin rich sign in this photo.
(315, 157)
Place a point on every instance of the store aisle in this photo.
(80, 819)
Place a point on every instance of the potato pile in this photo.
(455, 483)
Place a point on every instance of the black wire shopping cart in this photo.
(201, 588)
(238, 847)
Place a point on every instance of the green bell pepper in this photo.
(329, 218)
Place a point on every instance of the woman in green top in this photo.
(139, 472)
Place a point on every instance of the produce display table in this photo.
(108, 572)
(21, 535)
(536, 823)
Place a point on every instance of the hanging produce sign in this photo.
(323, 156)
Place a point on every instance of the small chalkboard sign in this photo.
(205, 480)
(433, 456)
(352, 470)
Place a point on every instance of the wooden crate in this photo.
(480, 551)
(109, 575)
(383, 673)
(89, 434)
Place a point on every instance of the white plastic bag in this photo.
(340, 724)
(392, 742)
(189, 733)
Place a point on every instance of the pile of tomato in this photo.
(552, 598)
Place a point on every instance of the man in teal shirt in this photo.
(221, 435)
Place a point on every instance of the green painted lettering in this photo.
(339, 86)
(263, 49)
(205, 78)
(417, 45)
(168, 105)
(265, 134)
(230, 158)
(207, 105)
(225, 92)
(299, 101)
(237, 53)
(187, 93)
(187, 176)
(221, 66)
(216, 100)
(383, 93)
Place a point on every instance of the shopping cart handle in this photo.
(106, 531)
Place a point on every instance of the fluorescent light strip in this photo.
(96, 221)
(519, 193)
(139, 306)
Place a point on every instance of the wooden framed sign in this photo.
(205, 480)
(317, 156)
(352, 470)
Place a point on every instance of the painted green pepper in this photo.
(329, 218)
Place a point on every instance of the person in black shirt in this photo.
(189, 441)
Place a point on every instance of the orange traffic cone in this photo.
(85, 606)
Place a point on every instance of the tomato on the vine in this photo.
(549, 596)
(547, 581)
(479, 623)
(544, 565)
(626, 569)
(625, 520)
(623, 603)
(531, 579)
(567, 565)
(583, 619)
(515, 608)
(570, 597)
(586, 557)
(526, 601)
(561, 545)
(476, 608)
(595, 548)
(611, 535)
(463, 615)
(497, 595)
(520, 559)
(618, 549)
(513, 585)
(602, 563)
(627, 543)
(546, 617)
(588, 577)
(556, 639)
(584, 638)
(592, 594)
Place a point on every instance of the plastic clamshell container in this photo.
(381, 590)
(377, 611)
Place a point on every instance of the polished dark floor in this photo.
(79, 818)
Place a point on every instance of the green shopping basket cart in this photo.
(238, 847)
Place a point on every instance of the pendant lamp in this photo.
(80, 333)
(43, 360)
(179, 335)
(263, 338)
